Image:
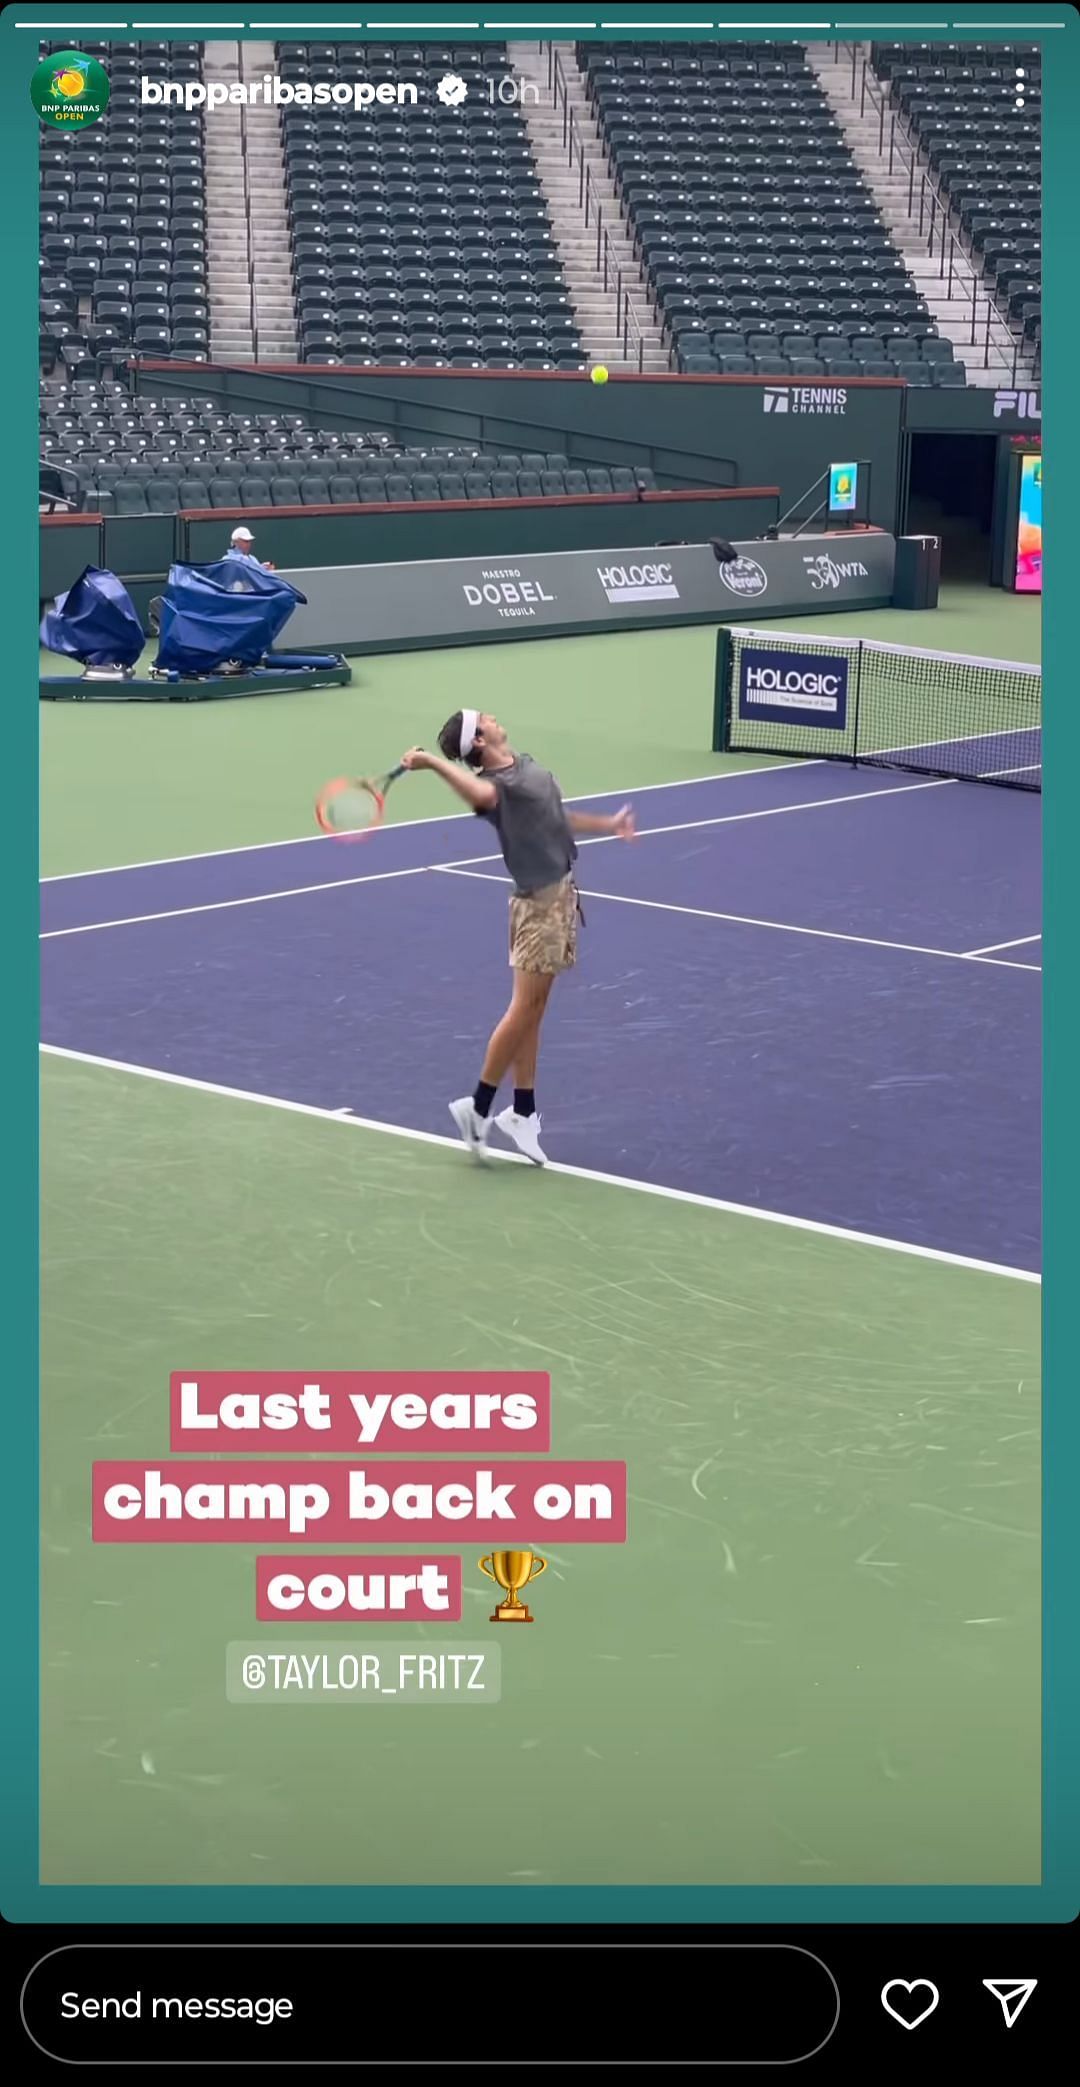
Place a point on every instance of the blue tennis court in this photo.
(805, 989)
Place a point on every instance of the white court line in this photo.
(259, 898)
(1018, 942)
(594, 840)
(308, 840)
(645, 1188)
(783, 927)
(986, 775)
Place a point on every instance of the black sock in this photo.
(524, 1101)
(483, 1098)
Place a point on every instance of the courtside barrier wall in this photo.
(468, 601)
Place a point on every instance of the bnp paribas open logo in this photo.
(69, 90)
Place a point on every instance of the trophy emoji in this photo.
(512, 1570)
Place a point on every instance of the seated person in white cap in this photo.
(241, 545)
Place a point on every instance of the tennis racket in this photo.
(351, 807)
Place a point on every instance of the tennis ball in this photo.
(599, 374)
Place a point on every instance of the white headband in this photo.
(470, 719)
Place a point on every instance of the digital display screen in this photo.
(1028, 579)
(843, 488)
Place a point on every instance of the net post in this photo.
(721, 731)
(858, 692)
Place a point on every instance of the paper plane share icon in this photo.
(1013, 1993)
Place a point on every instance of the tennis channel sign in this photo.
(378, 608)
(782, 687)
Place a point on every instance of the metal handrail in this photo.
(248, 213)
(610, 269)
(933, 216)
(608, 266)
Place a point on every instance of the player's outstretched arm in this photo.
(474, 789)
(620, 822)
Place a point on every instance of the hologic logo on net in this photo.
(767, 684)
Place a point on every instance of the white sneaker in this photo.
(524, 1132)
(473, 1127)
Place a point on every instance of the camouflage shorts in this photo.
(543, 929)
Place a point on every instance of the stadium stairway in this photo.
(594, 306)
(271, 270)
(231, 334)
(990, 361)
(251, 300)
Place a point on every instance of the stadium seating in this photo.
(763, 247)
(959, 102)
(123, 223)
(421, 238)
(119, 452)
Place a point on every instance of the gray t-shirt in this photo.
(528, 816)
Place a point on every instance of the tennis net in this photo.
(889, 706)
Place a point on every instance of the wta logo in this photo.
(825, 572)
(69, 90)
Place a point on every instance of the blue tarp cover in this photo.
(231, 610)
(95, 622)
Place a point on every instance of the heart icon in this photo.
(910, 2008)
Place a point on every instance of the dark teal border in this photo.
(1058, 1898)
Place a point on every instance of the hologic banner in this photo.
(785, 687)
(461, 601)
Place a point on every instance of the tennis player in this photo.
(536, 833)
